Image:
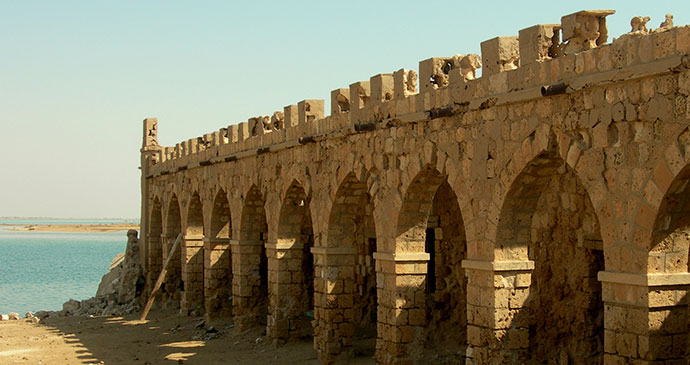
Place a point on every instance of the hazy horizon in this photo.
(78, 77)
(70, 218)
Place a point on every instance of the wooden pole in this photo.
(161, 277)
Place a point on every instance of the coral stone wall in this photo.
(537, 213)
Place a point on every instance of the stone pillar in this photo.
(497, 320)
(401, 284)
(192, 274)
(285, 291)
(172, 280)
(150, 155)
(217, 277)
(645, 317)
(154, 264)
(246, 282)
(333, 302)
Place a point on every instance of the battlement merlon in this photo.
(150, 150)
(585, 29)
(150, 132)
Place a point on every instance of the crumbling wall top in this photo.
(535, 58)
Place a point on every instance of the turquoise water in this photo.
(42, 270)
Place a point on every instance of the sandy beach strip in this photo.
(165, 338)
(72, 227)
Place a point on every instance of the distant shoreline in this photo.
(106, 227)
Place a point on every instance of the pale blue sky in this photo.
(78, 77)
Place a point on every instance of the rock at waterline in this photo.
(13, 316)
(119, 291)
(109, 282)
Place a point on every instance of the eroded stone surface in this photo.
(474, 214)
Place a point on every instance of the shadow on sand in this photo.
(167, 337)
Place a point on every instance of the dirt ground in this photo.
(165, 338)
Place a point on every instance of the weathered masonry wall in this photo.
(539, 212)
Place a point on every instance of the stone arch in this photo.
(250, 274)
(193, 257)
(253, 225)
(670, 238)
(195, 216)
(292, 296)
(172, 285)
(294, 209)
(430, 222)
(345, 276)
(669, 249)
(154, 256)
(415, 209)
(549, 234)
(218, 260)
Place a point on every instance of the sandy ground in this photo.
(75, 227)
(165, 338)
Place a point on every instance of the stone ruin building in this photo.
(539, 212)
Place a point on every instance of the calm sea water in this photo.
(42, 270)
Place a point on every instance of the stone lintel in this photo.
(483, 265)
(284, 244)
(402, 256)
(333, 251)
(661, 279)
(193, 237)
(246, 243)
(216, 240)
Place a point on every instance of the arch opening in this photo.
(172, 285)
(154, 256)
(548, 218)
(669, 252)
(193, 258)
(295, 238)
(252, 284)
(218, 260)
(671, 234)
(430, 221)
(351, 239)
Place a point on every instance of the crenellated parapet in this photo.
(535, 58)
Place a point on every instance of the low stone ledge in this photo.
(333, 251)
(246, 243)
(482, 265)
(402, 256)
(670, 279)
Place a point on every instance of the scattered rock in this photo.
(13, 316)
(31, 318)
(119, 290)
(4, 317)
